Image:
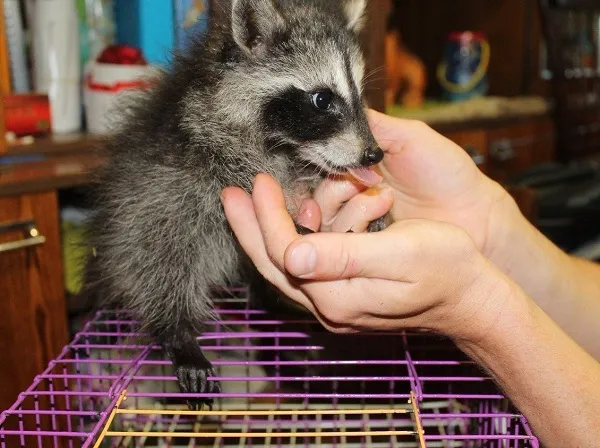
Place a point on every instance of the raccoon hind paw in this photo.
(194, 379)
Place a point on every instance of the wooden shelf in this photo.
(57, 143)
(50, 163)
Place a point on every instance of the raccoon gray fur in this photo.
(273, 86)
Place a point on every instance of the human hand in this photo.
(426, 176)
(415, 274)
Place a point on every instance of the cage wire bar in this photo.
(286, 382)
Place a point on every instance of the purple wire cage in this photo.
(286, 382)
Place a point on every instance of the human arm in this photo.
(545, 373)
(430, 177)
(423, 274)
(567, 288)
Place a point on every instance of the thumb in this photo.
(392, 133)
(334, 256)
(419, 158)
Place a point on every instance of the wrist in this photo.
(490, 302)
(521, 252)
(539, 368)
(505, 223)
(504, 312)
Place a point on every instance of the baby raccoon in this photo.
(273, 86)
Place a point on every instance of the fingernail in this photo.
(304, 210)
(303, 259)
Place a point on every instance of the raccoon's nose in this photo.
(372, 156)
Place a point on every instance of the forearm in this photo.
(566, 288)
(549, 377)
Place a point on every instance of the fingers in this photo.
(309, 215)
(332, 193)
(362, 209)
(346, 205)
(276, 225)
(333, 256)
(239, 211)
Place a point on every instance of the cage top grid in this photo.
(286, 382)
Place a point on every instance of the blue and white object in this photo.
(191, 21)
(148, 25)
(463, 73)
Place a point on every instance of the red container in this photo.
(27, 114)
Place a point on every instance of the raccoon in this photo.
(273, 86)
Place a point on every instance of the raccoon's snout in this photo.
(372, 156)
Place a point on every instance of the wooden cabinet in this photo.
(475, 143)
(514, 148)
(507, 149)
(33, 323)
(503, 150)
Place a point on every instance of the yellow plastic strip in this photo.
(320, 422)
(343, 420)
(420, 431)
(261, 434)
(270, 431)
(110, 419)
(264, 413)
(317, 434)
(293, 430)
(246, 426)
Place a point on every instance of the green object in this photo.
(74, 254)
(418, 113)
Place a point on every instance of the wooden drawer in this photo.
(515, 148)
(33, 327)
(475, 143)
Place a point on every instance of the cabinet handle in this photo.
(502, 150)
(33, 237)
(475, 154)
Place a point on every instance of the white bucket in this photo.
(103, 85)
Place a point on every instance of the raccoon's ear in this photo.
(354, 11)
(254, 23)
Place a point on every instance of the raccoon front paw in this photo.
(303, 230)
(193, 379)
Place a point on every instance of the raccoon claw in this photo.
(193, 379)
(303, 230)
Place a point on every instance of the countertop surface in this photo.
(50, 162)
(478, 112)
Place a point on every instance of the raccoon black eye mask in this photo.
(372, 156)
(274, 86)
(320, 119)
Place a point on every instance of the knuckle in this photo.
(272, 258)
(346, 264)
(337, 316)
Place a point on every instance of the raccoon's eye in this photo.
(322, 100)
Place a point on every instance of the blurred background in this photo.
(514, 82)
